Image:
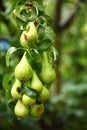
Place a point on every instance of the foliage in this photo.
(36, 38)
(67, 110)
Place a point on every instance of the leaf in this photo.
(53, 53)
(34, 59)
(30, 92)
(50, 33)
(12, 103)
(10, 51)
(7, 81)
(7, 84)
(45, 44)
(38, 6)
(21, 17)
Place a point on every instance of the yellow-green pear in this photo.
(32, 33)
(24, 39)
(47, 74)
(44, 95)
(23, 70)
(36, 110)
(20, 109)
(36, 84)
(27, 100)
(16, 90)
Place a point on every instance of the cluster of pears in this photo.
(29, 105)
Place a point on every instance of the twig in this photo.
(57, 15)
(66, 23)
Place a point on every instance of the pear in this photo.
(23, 70)
(16, 90)
(47, 74)
(24, 39)
(32, 33)
(36, 110)
(28, 100)
(44, 95)
(20, 109)
(36, 84)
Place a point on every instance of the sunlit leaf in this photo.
(10, 51)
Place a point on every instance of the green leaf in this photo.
(21, 17)
(10, 51)
(30, 92)
(12, 103)
(45, 44)
(7, 84)
(53, 53)
(34, 59)
(38, 6)
(50, 33)
(7, 81)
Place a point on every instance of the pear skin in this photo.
(36, 110)
(47, 74)
(16, 90)
(28, 100)
(44, 95)
(36, 84)
(24, 39)
(20, 109)
(23, 70)
(32, 33)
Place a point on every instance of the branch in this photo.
(66, 23)
(57, 15)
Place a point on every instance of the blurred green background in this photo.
(67, 108)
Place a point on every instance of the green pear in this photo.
(36, 84)
(32, 33)
(23, 70)
(16, 90)
(28, 100)
(20, 109)
(24, 39)
(44, 95)
(36, 110)
(47, 74)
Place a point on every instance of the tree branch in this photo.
(57, 15)
(66, 23)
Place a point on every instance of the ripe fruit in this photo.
(44, 95)
(32, 33)
(16, 89)
(24, 39)
(20, 109)
(28, 100)
(23, 70)
(36, 84)
(36, 110)
(47, 74)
